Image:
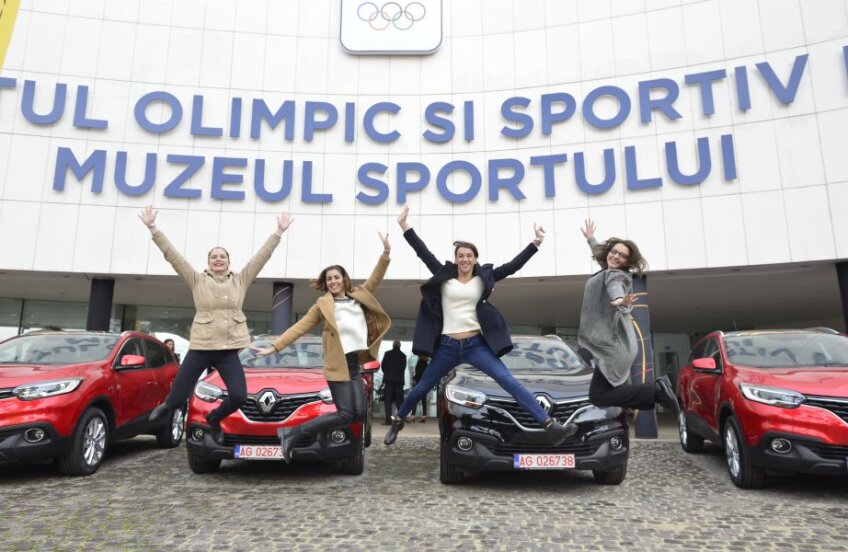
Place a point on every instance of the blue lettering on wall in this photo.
(432, 114)
(66, 160)
(168, 99)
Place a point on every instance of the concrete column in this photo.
(100, 304)
(642, 370)
(842, 276)
(281, 307)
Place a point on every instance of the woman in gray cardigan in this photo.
(607, 335)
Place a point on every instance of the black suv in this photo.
(483, 428)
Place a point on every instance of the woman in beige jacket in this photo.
(219, 328)
(354, 324)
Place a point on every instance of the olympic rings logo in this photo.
(391, 13)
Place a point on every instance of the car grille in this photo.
(559, 411)
(6, 434)
(6, 394)
(284, 408)
(837, 406)
(273, 440)
(577, 449)
(831, 452)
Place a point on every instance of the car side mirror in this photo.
(372, 366)
(132, 361)
(704, 364)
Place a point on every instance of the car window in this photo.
(698, 351)
(131, 347)
(544, 355)
(788, 350)
(307, 353)
(156, 354)
(56, 349)
(715, 354)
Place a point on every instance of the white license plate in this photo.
(257, 452)
(543, 461)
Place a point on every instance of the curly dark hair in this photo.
(320, 283)
(636, 263)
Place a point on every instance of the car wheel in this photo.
(742, 473)
(367, 440)
(170, 435)
(354, 465)
(610, 477)
(203, 465)
(88, 444)
(448, 473)
(689, 441)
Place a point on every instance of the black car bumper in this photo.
(806, 456)
(307, 449)
(14, 447)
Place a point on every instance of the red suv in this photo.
(68, 394)
(775, 401)
(283, 389)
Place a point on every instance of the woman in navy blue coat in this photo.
(457, 324)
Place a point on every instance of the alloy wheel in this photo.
(681, 428)
(731, 451)
(94, 443)
(177, 424)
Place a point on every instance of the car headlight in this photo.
(43, 389)
(208, 392)
(325, 395)
(773, 396)
(464, 396)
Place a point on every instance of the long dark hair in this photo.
(320, 284)
(636, 263)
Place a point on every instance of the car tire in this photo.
(203, 465)
(448, 473)
(88, 444)
(610, 477)
(171, 434)
(366, 442)
(689, 441)
(354, 465)
(743, 474)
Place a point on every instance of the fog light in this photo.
(616, 443)
(34, 435)
(781, 446)
(197, 434)
(338, 436)
(464, 444)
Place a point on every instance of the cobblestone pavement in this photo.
(147, 499)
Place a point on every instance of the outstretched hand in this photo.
(402, 218)
(283, 222)
(540, 233)
(588, 229)
(263, 351)
(387, 247)
(148, 216)
(625, 301)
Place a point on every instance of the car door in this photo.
(163, 367)
(136, 387)
(705, 385)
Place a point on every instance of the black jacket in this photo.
(394, 366)
(428, 326)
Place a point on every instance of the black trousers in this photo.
(349, 397)
(630, 395)
(392, 395)
(228, 365)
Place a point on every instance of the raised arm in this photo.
(589, 233)
(379, 271)
(430, 260)
(255, 264)
(301, 327)
(513, 266)
(181, 266)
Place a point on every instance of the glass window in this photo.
(10, 317)
(788, 350)
(56, 349)
(156, 354)
(131, 347)
(54, 315)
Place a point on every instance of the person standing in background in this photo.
(394, 368)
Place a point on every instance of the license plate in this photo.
(543, 461)
(257, 452)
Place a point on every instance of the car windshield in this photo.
(56, 349)
(544, 355)
(788, 350)
(301, 354)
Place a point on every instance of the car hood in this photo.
(288, 381)
(12, 375)
(556, 385)
(827, 382)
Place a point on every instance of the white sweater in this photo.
(459, 305)
(353, 331)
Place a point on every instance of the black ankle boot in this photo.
(557, 433)
(215, 428)
(158, 414)
(664, 395)
(391, 435)
(288, 436)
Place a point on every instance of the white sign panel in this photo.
(381, 27)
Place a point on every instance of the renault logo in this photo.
(544, 403)
(266, 401)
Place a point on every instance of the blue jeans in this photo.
(476, 352)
